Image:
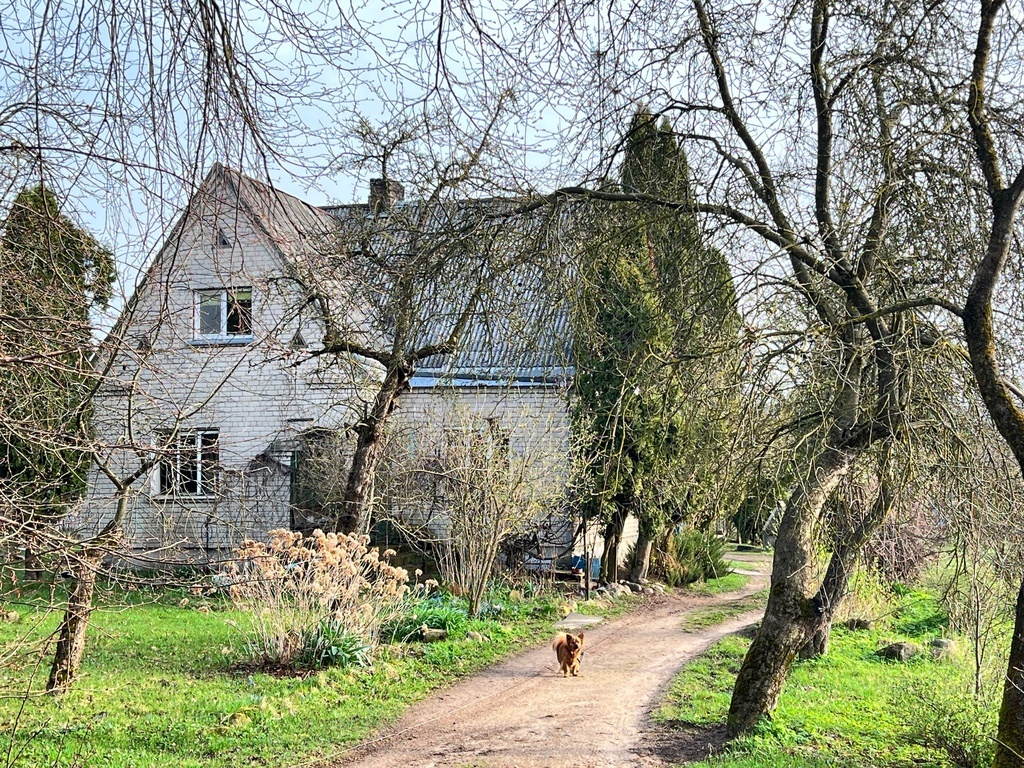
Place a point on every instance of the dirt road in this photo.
(522, 712)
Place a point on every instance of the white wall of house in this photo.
(535, 416)
(166, 377)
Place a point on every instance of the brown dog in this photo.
(568, 649)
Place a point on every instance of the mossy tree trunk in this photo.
(1010, 740)
(67, 659)
(71, 634)
(980, 333)
(791, 616)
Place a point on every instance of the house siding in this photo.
(162, 378)
(536, 419)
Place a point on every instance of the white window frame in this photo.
(222, 334)
(186, 448)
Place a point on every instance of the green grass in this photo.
(157, 688)
(731, 582)
(843, 709)
(702, 618)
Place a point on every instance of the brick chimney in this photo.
(384, 193)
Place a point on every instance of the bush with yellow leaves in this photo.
(296, 591)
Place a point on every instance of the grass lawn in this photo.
(849, 708)
(158, 688)
(702, 618)
(728, 583)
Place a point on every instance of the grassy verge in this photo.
(158, 688)
(702, 618)
(728, 583)
(850, 708)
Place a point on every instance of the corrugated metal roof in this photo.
(519, 331)
(293, 225)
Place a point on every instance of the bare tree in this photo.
(137, 98)
(404, 282)
(985, 117)
(463, 491)
(835, 207)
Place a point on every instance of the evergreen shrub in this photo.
(690, 555)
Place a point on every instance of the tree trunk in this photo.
(790, 617)
(846, 551)
(1009, 420)
(788, 621)
(642, 558)
(612, 540)
(817, 645)
(33, 570)
(355, 515)
(1010, 739)
(71, 635)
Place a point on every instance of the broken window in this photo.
(188, 463)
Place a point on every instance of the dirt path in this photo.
(522, 712)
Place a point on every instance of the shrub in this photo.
(690, 555)
(303, 596)
(330, 644)
(438, 611)
(942, 715)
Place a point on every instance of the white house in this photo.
(212, 382)
(199, 373)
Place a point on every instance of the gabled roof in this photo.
(521, 333)
(292, 225)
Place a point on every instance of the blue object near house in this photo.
(578, 562)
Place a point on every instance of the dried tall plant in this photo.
(289, 585)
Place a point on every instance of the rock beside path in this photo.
(901, 651)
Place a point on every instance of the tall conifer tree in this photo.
(654, 305)
(52, 274)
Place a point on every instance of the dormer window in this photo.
(223, 314)
(223, 241)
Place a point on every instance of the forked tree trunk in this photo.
(836, 584)
(789, 620)
(826, 602)
(71, 635)
(791, 617)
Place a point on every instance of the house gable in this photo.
(202, 371)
